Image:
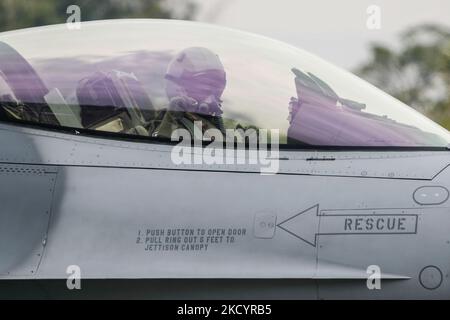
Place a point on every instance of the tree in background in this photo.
(17, 14)
(417, 73)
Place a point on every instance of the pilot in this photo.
(194, 81)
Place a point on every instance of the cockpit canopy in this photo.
(148, 77)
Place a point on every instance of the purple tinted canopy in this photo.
(121, 76)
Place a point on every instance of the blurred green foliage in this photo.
(17, 14)
(417, 72)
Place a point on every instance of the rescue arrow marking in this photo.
(305, 225)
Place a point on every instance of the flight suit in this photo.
(173, 120)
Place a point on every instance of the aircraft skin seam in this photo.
(440, 171)
(150, 146)
(213, 170)
(50, 213)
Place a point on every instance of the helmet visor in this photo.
(201, 85)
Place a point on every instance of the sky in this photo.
(335, 30)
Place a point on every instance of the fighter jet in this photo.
(117, 170)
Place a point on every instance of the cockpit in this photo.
(143, 78)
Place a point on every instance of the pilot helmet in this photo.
(196, 73)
